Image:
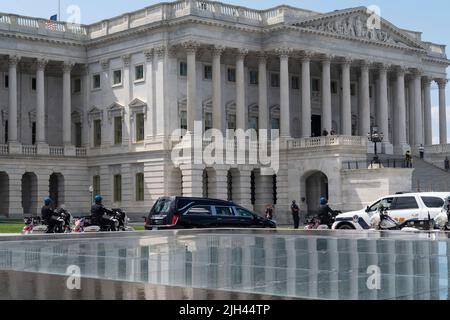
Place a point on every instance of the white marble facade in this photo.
(173, 63)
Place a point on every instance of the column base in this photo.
(15, 148)
(387, 148)
(69, 150)
(43, 149)
(401, 149)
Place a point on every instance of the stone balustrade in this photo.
(31, 150)
(438, 149)
(318, 142)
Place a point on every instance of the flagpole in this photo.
(59, 10)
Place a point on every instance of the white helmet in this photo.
(441, 219)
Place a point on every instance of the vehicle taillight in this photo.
(175, 219)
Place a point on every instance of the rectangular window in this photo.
(353, 90)
(183, 69)
(139, 72)
(117, 188)
(183, 120)
(117, 77)
(140, 127)
(96, 185)
(96, 81)
(370, 92)
(77, 85)
(6, 132)
(207, 73)
(275, 80)
(295, 81)
(97, 133)
(6, 81)
(334, 87)
(253, 77)
(118, 130)
(78, 131)
(232, 122)
(404, 203)
(315, 85)
(140, 186)
(33, 84)
(231, 75)
(33, 133)
(208, 121)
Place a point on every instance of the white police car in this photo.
(403, 207)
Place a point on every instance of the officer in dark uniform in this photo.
(295, 214)
(99, 215)
(49, 216)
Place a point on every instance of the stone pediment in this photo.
(116, 110)
(95, 114)
(361, 24)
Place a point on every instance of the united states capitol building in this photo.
(95, 105)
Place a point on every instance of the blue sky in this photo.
(430, 17)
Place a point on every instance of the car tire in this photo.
(345, 226)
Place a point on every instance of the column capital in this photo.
(191, 46)
(326, 58)
(346, 61)
(365, 65)
(416, 72)
(13, 60)
(126, 58)
(306, 56)
(383, 67)
(160, 51)
(41, 63)
(217, 51)
(442, 83)
(426, 80)
(67, 66)
(401, 70)
(105, 64)
(284, 52)
(263, 57)
(149, 53)
(242, 53)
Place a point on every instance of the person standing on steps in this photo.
(422, 151)
(408, 159)
(447, 164)
(295, 214)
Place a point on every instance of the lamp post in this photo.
(375, 137)
(91, 191)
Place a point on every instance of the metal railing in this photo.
(372, 164)
(4, 149)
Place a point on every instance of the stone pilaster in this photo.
(41, 138)
(306, 94)
(346, 106)
(14, 146)
(242, 188)
(150, 123)
(218, 110)
(285, 128)
(192, 180)
(326, 93)
(262, 92)
(15, 194)
(241, 108)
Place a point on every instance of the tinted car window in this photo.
(224, 211)
(403, 203)
(199, 210)
(161, 207)
(244, 213)
(433, 202)
(387, 202)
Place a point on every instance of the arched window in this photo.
(182, 113)
(140, 186)
(275, 117)
(253, 117)
(207, 115)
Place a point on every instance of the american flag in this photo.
(51, 24)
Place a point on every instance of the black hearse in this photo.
(188, 213)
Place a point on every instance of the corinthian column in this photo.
(12, 114)
(306, 94)
(418, 107)
(364, 110)
(285, 130)
(41, 138)
(442, 112)
(383, 116)
(67, 106)
(241, 114)
(400, 104)
(191, 49)
(326, 94)
(262, 92)
(217, 89)
(346, 107)
(428, 129)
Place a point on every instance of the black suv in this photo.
(187, 213)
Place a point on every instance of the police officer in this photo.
(326, 215)
(295, 214)
(49, 216)
(99, 215)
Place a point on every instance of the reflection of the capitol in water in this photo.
(317, 266)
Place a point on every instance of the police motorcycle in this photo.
(442, 220)
(381, 220)
(36, 225)
(117, 216)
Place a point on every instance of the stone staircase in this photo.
(428, 177)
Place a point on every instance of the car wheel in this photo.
(345, 227)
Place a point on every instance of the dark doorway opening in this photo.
(316, 125)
